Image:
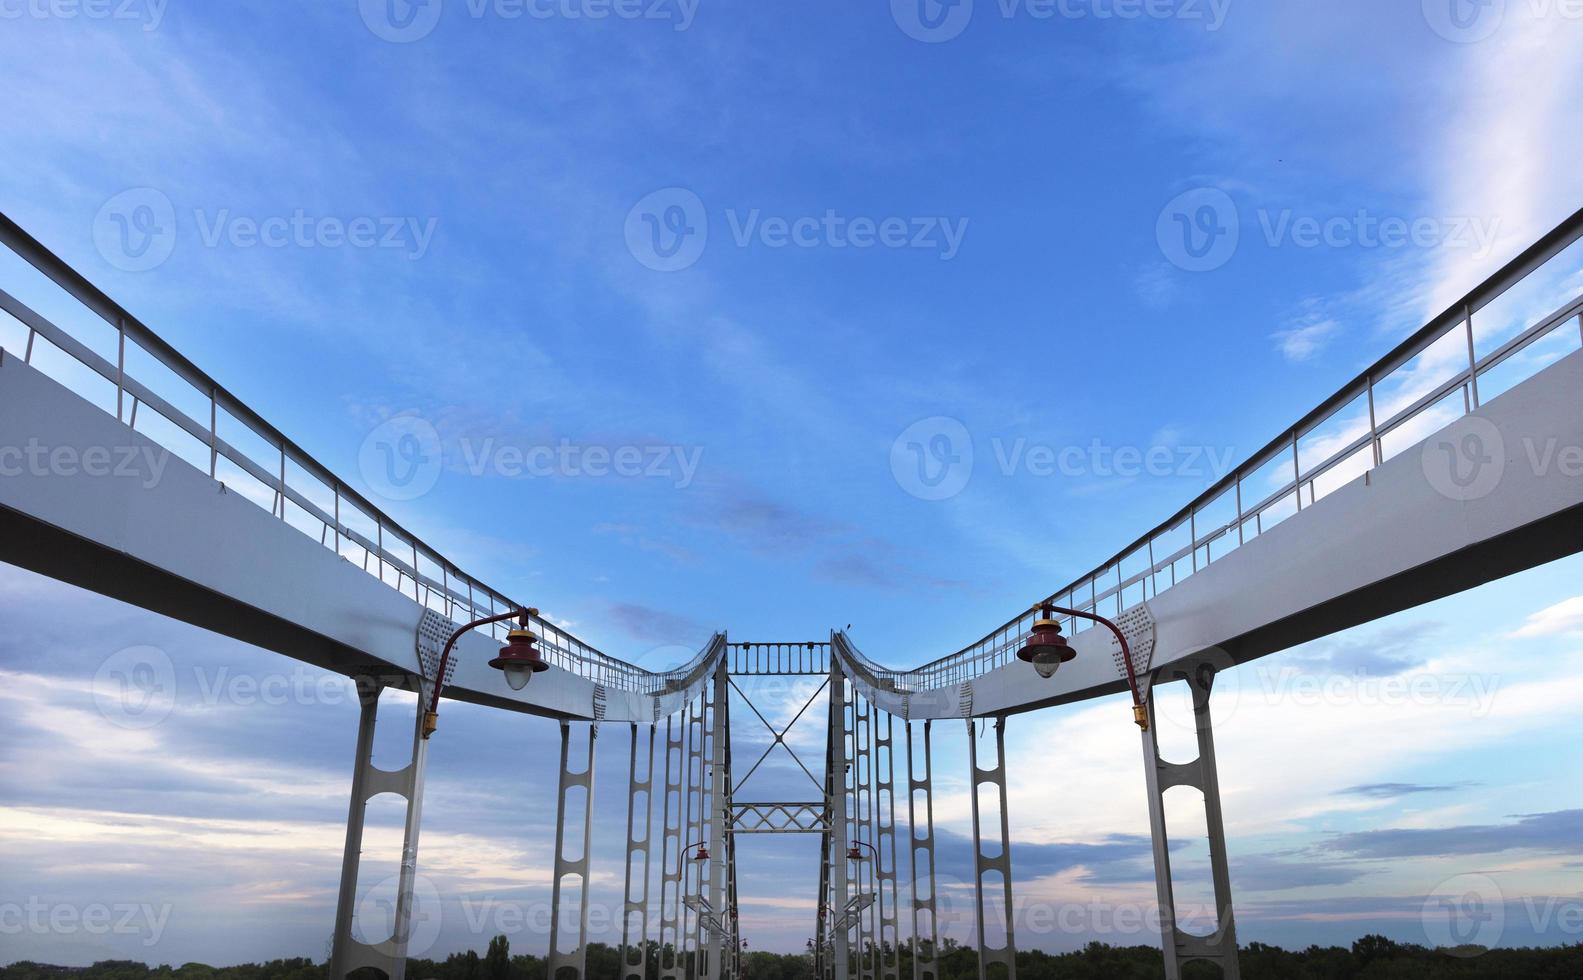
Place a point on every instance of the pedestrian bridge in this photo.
(1454, 460)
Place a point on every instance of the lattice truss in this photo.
(778, 818)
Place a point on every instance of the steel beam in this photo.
(692, 794)
(860, 730)
(840, 951)
(389, 956)
(884, 762)
(921, 845)
(673, 824)
(572, 964)
(719, 806)
(640, 816)
(999, 862)
(1220, 947)
(778, 818)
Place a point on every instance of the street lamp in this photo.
(700, 857)
(517, 659)
(853, 854)
(1047, 650)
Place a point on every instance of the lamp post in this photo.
(1047, 650)
(700, 857)
(517, 659)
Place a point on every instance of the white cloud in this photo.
(1565, 618)
(1302, 343)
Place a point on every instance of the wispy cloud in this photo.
(1558, 832)
(1300, 343)
(1391, 791)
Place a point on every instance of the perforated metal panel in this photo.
(433, 631)
(1137, 625)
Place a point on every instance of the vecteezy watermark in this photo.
(137, 230)
(1565, 914)
(1471, 21)
(933, 459)
(302, 230)
(1114, 919)
(1465, 461)
(1469, 459)
(668, 229)
(1363, 229)
(144, 464)
(302, 685)
(405, 21)
(400, 21)
(1465, 21)
(377, 915)
(1464, 915)
(1198, 230)
(135, 688)
(488, 915)
(678, 464)
(1201, 229)
(149, 13)
(934, 21)
(1100, 459)
(98, 919)
(402, 457)
(1303, 688)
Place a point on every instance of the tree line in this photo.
(1370, 958)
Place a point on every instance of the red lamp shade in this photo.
(854, 854)
(702, 855)
(1046, 648)
(519, 659)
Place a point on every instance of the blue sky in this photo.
(1016, 184)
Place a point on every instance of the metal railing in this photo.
(1405, 394)
(346, 522)
(808, 657)
(1206, 533)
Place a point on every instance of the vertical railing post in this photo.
(1374, 428)
(1297, 471)
(214, 434)
(120, 363)
(1473, 360)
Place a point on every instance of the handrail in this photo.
(463, 597)
(1085, 592)
(458, 596)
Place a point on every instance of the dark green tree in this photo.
(497, 960)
